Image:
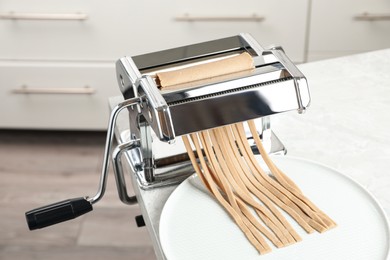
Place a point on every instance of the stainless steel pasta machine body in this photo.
(155, 155)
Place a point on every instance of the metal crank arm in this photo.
(72, 208)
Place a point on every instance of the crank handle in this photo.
(73, 208)
(57, 212)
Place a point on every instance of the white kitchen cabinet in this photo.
(59, 46)
(339, 28)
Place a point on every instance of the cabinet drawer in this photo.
(348, 27)
(270, 22)
(126, 27)
(62, 30)
(56, 95)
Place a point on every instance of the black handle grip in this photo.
(57, 212)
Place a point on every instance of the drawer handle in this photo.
(29, 90)
(191, 18)
(372, 17)
(43, 16)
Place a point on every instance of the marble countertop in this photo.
(347, 126)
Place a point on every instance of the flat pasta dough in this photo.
(210, 70)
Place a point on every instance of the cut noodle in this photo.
(234, 177)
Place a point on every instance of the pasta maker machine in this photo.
(154, 153)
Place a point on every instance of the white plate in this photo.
(194, 226)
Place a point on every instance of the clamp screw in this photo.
(140, 221)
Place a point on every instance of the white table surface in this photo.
(347, 126)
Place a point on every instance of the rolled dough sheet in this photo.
(209, 70)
